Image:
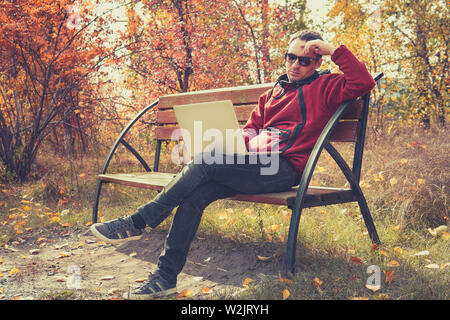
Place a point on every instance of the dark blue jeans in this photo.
(199, 184)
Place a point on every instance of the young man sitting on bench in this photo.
(289, 118)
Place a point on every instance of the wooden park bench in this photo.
(348, 124)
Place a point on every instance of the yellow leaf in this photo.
(445, 235)
(261, 258)
(55, 219)
(317, 282)
(275, 227)
(432, 266)
(286, 294)
(384, 253)
(393, 181)
(26, 208)
(379, 176)
(398, 250)
(393, 263)
(185, 294)
(140, 280)
(359, 298)
(246, 282)
(281, 279)
(206, 290)
(13, 271)
(437, 231)
(420, 181)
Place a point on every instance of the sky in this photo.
(317, 7)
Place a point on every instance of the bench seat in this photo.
(315, 196)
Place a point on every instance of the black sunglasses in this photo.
(303, 61)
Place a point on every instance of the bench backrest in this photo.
(244, 99)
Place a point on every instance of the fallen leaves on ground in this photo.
(206, 290)
(389, 275)
(286, 294)
(14, 271)
(285, 280)
(185, 293)
(356, 260)
(262, 258)
(393, 263)
(246, 282)
(441, 230)
(421, 253)
(317, 282)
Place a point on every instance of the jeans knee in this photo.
(193, 206)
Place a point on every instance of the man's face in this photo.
(294, 70)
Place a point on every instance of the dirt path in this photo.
(73, 264)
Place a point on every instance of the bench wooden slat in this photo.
(238, 95)
(345, 131)
(353, 111)
(147, 180)
(315, 196)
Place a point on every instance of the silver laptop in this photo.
(210, 125)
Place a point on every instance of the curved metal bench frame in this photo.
(351, 174)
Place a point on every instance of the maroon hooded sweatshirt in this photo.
(290, 117)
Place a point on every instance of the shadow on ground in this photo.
(215, 258)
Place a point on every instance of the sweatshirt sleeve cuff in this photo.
(338, 52)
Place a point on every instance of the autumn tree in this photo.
(408, 40)
(422, 28)
(196, 44)
(47, 66)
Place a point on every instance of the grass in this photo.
(405, 180)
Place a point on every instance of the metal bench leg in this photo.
(96, 201)
(354, 183)
(367, 216)
(292, 241)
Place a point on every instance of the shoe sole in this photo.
(160, 294)
(99, 235)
